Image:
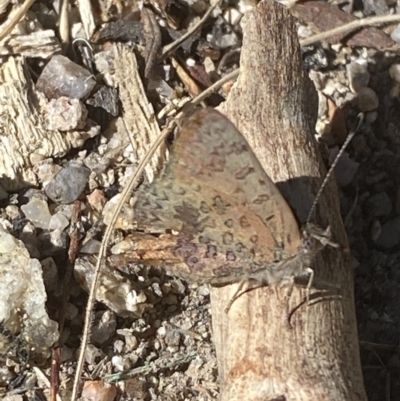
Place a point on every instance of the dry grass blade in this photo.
(187, 80)
(8, 26)
(85, 11)
(102, 253)
(169, 49)
(347, 28)
(64, 22)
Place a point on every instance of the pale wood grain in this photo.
(259, 356)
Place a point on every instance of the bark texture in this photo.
(260, 356)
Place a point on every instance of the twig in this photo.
(379, 347)
(55, 373)
(190, 85)
(17, 17)
(102, 252)
(72, 252)
(43, 378)
(214, 87)
(351, 26)
(169, 49)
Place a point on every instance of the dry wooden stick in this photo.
(274, 105)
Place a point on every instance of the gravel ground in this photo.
(166, 336)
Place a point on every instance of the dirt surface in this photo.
(166, 341)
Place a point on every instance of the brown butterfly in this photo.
(220, 217)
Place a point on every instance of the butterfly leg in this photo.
(290, 313)
(288, 296)
(237, 294)
(309, 284)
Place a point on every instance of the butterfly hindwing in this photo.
(213, 192)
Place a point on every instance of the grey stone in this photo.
(367, 99)
(390, 235)
(62, 77)
(378, 205)
(37, 212)
(68, 184)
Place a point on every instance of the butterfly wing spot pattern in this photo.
(230, 217)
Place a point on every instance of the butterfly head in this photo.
(314, 239)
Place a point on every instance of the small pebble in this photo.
(58, 222)
(92, 354)
(68, 184)
(121, 363)
(46, 171)
(103, 327)
(173, 337)
(96, 162)
(131, 341)
(345, 169)
(37, 212)
(62, 77)
(50, 274)
(224, 41)
(367, 99)
(378, 205)
(98, 391)
(65, 114)
(13, 212)
(91, 247)
(394, 72)
(390, 236)
(66, 353)
(97, 200)
(71, 311)
(133, 299)
(118, 346)
(358, 75)
(106, 98)
(376, 229)
(395, 35)
(54, 242)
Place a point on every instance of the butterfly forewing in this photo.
(230, 217)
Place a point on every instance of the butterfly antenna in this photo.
(335, 162)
